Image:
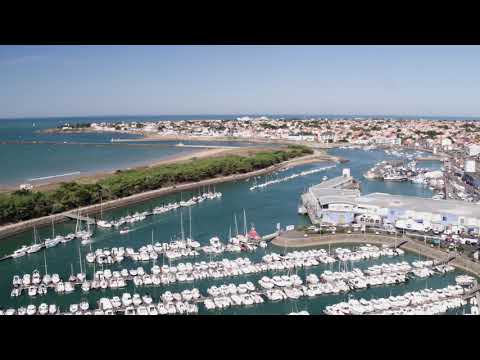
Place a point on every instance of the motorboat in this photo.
(43, 309)
(395, 178)
(31, 309)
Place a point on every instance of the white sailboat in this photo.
(102, 223)
(87, 236)
(81, 276)
(54, 241)
(46, 278)
(245, 222)
(181, 225)
(35, 247)
(20, 252)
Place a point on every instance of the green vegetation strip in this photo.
(25, 205)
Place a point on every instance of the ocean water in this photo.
(85, 152)
(264, 209)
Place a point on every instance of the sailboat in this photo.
(87, 236)
(242, 237)
(72, 277)
(181, 225)
(236, 225)
(54, 241)
(35, 247)
(190, 242)
(46, 278)
(102, 223)
(81, 276)
(232, 240)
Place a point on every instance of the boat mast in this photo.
(245, 222)
(190, 220)
(53, 229)
(45, 260)
(236, 225)
(152, 237)
(80, 258)
(181, 223)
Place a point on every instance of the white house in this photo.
(473, 150)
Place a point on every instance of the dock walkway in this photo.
(298, 240)
(74, 216)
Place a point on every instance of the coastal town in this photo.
(455, 142)
(436, 135)
(444, 228)
(120, 195)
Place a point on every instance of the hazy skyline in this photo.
(41, 81)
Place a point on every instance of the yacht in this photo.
(395, 178)
(22, 311)
(31, 309)
(20, 252)
(43, 309)
(52, 309)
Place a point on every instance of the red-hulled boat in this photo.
(253, 235)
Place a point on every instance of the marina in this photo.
(293, 176)
(351, 211)
(189, 267)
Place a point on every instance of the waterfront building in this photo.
(331, 203)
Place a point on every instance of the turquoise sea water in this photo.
(265, 208)
(85, 153)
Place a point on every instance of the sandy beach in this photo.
(93, 177)
(10, 229)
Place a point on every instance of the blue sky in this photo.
(129, 80)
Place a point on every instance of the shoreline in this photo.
(288, 241)
(94, 175)
(12, 229)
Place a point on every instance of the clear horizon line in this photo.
(240, 114)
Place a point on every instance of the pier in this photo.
(402, 242)
(296, 239)
(81, 218)
(473, 292)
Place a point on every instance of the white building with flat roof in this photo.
(473, 150)
(330, 204)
